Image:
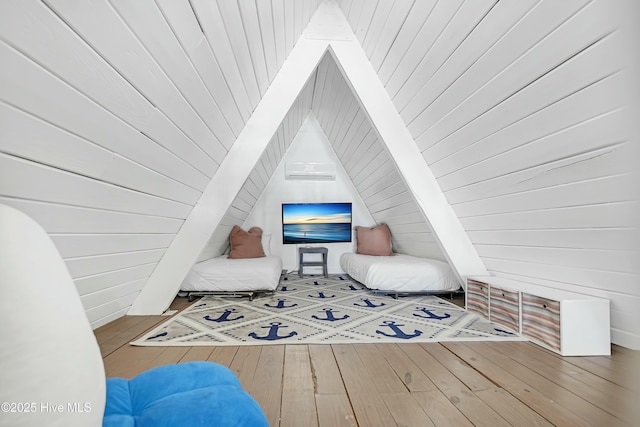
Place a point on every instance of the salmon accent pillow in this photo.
(246, 244)
(374, 240)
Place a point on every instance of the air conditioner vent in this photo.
(310, 171)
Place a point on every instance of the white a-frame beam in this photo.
(164, 282)
(384, 116)
(328, 29)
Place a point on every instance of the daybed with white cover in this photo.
(399, 273)
(246, 270)
(224, 274)
(376, 266)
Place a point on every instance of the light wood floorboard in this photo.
(442, 384)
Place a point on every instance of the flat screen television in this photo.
(316, 223)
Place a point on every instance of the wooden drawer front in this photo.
(478, 297)
(505, 308)
(541, 320)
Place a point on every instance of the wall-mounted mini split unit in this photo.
(310, 171)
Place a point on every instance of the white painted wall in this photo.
(310, 144)
(370, 166)
(115, 115)
(527, 114)
(523, 109)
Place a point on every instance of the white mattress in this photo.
(401, 273)
(223, 274)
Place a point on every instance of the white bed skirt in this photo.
(223, 274)
(400, 273)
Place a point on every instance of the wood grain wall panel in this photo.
(383, 188)
(105, 313)
(243, 88)
(367, 12)
(237, 35)
(86, 266)
(259, 177)
(369, 165)
(289, 27)
(31, 88)
(77, 245)
(404, 38)
(95, 299)
(428, 35)
(378, 20)
(510, 53)
(619, 284)
(519, 108)
(267, 35)
(445, 44)
(279, 29)
(72, 219)
(593, 216)
(612, 188)
(96, 282)
(146, 20)
(359, 136)
(544, 92)
(78, 65)
(595, 259)
(82, 157)
(188, 31)
(488, 32)
(100, 26)
(552, 157)
(251, 25)
(155, 94)
(28, 180)
(540, 132)
(395, 19)
(577, 238)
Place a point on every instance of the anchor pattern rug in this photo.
(318, 310)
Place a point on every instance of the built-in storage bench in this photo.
(567, 323)
(478, 297)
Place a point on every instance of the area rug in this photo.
(318, 310)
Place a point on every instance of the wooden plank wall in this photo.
(369, 165)
(116, 114)
(259, 177)
(519, 109)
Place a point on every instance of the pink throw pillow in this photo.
(374, 240)
(246, 244)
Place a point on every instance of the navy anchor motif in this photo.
(286, 288)
(503, 331)
(368, 303)
(273, 333)
(351, 288)
(280, 304)
(330, 317)
(162, 334)
(321, 295)
(398, 333)
(430, 314)
(224, 317)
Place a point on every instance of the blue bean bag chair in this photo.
(51, 369)
(188, 394)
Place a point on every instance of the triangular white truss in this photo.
(329, 32)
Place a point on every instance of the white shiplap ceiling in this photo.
(116, 115)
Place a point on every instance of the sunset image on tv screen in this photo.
(316, 222)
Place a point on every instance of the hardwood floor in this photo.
(441, 384)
